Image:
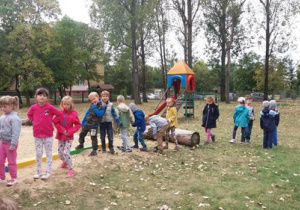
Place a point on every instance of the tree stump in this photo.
(184, 137)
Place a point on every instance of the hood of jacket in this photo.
(123, 107)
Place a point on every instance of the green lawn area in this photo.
(216, 176)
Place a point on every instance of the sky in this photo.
(78, 10)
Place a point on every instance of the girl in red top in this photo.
(41, 114)
(66, 126)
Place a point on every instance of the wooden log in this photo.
(184, 137)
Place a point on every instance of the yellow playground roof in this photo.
(180, 68)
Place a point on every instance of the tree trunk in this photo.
(135, 74)
(18, 91)
(223, 56)
(227, 79)
(184, 137)
(144, 86)
(189, 35)
(266, 83)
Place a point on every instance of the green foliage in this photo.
(206, 78)
(244, 76)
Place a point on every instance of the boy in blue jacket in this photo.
(273, 106)
(91, 121)
(241, 119)
(267, 123)
(140, 125)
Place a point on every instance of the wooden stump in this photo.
(184, 137)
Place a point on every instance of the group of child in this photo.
(243, 117)
(101, 113)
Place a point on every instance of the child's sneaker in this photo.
(213, 138)
(79, 146)
(144, 149)
(63, 165)
(93, 153)
(127, 150)
(112, 151)
(12, 182)
(2, 181)
(176, 148)
(45, 176)
(71, 173)
(120, 147)
(232, 141)
(36, 176)
(135, 147)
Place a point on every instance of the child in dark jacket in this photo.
(267, 123)
(140, 125)
(273, 106)
(209, 118)
(91, 122)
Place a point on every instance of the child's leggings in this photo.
(39, 144)
(172, 130)
(11, 159)
(64, 149)
(208, 133)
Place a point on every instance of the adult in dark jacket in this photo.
(139, 123)
(209, 118)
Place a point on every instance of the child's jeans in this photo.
(93, 131)
(249, 130)
(275, 137)
(64, 150)
(268, 139)
(11, 156)
(124, 137)
(138, 137)
(106, 127)
(39, 144)
(243, 130)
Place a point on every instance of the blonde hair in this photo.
(93, 94)
(105, 92)
(170, 100)
(121, 99)
(210, 98)
(6, 204)
(68, 99)
(10, 100)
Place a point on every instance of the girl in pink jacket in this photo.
(41, 114)
(67, 124)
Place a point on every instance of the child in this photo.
(159, 126)
(171, 116)
(209, 118)
(68, 124)
(90, 122)
(267, 123)
(250, 124)
(241, 119)
(41, 114)
(6, 204)
(10, 128)
(273, 106)
(125, 116)
(139, 123)
(106, 123)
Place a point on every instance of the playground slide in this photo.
(159, 109)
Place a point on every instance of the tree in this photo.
(244, 75)
(188, 12)
(118, 20)
(278, 17)
(222, 29)
(277, 70)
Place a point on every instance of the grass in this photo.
(218, 176)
